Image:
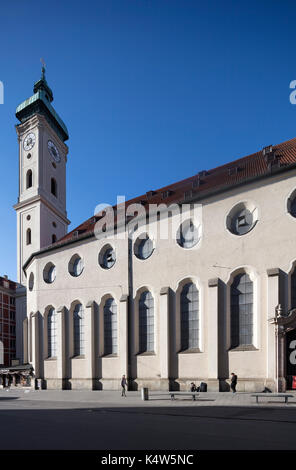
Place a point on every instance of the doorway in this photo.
(291, 360)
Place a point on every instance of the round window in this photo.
(49, 273)
(242, 218)
(76, 266)
(188, 234)
(107, 257)
(143, 247)
(31, 281)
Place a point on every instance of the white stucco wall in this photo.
(219, 254)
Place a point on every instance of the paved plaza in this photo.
(104, 420)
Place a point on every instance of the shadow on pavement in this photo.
(151, 427)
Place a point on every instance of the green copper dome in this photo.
(40, 103)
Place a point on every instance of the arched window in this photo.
(146, 322)
(29, 237)
(54, 187)
(189, 317)
(53, 238)
(29, 179)
(293, 289)
(110, 327)
(241, 311)
(78, 320)
(52, 333)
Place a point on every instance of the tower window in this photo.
(53, 238)
(29, 179)
(29, 237)
(54, 187)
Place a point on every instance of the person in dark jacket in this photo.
(123, 385)
(233, 382)
(192, 387)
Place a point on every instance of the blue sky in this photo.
(152, 91)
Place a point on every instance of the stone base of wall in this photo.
(254, 385)
(55, 384)
(81, 384)
(184, 384)
(213, 385)
(151, 384)
(110, 384)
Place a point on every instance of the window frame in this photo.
(146, 318)
(192, 341)
(111, 334)
(239, 319)
(52, 338)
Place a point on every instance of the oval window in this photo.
(107, 257)
(49, 273)
(242, 218)
(76, 266)
(31, 281)
(143, 247)
(188, 234)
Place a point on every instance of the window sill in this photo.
(189, 351)
(54, 358)
(248, 347)
(78, 357)
(109, 355)
(146, 353)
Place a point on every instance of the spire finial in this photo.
(43, 68)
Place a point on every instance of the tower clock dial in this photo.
(53, 151)
(29, 141)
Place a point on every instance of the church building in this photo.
(213, 295)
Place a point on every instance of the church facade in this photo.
(201, 286)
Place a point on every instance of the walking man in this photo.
(233, 382)
(123, 385)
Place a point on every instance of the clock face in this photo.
(29, 141)
(53, 151)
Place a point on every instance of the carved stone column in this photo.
(273, 300)
(282, 324)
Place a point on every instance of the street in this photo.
(103, 420)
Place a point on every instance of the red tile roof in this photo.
(7, 283)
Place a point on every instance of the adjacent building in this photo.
(7, 322)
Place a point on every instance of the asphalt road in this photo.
(38, 424)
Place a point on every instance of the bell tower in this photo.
(41, 207)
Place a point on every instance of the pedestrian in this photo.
(123, 385)
(233, 382)
(192, 387)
